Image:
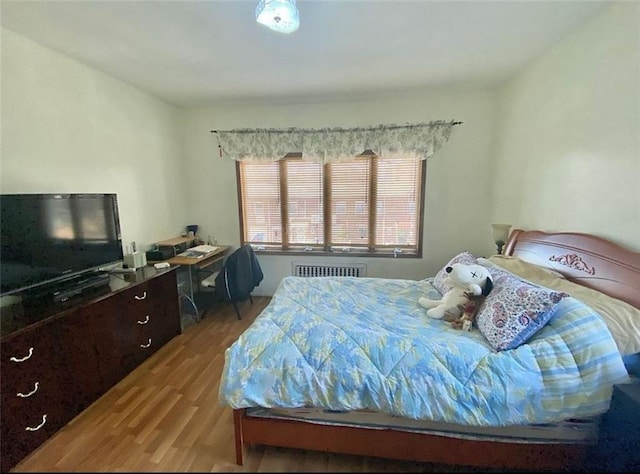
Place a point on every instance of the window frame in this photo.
(326, 250)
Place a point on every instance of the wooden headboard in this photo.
(591, 261)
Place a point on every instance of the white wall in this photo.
(557, 148)
(568, 142)
(69, 128)
(458, 206)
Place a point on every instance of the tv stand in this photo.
(75, 351)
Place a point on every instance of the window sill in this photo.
(353, 253)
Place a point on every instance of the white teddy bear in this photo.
(466, 280)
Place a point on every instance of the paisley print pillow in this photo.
(515, 310)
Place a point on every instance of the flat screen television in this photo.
(46, 238)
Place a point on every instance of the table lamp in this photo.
(500, 235)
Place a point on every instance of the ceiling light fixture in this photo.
(279, 15)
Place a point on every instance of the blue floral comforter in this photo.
(364, 343)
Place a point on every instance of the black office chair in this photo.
(240, 274)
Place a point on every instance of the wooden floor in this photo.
(165, 416)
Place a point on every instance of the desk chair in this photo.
(240, 274)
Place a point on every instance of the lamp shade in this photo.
(500, 235)
(279, 15)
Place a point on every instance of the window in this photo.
(368, 205)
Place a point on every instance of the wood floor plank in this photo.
(165, 417)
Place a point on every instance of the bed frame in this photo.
(585, 259)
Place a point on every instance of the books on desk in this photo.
(199, 251)
(206, 249)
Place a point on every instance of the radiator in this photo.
(312, 270)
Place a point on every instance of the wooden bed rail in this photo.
(403, 445)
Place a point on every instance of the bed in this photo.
(389, 382)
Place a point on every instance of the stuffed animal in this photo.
(469, 310)
(466, 281)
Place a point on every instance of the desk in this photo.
(199, 265)
(178, 242)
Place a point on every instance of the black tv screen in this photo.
(50, 237)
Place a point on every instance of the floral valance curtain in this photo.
(420, 140)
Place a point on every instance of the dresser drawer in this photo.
(29, 354)
(40, 411)
(27, 423)
(160, 324)
(34, 403)
(18, 442)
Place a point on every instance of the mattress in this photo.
(352, 344)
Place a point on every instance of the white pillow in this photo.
(519, 267)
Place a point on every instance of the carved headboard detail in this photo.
(577, 256)
(573, 261)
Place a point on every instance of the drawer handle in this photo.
(15, 359)
(44, 420)
(27, 395)
(144, 295)
(146, 320)
(144, 346)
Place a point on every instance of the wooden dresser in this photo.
(57, 359)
